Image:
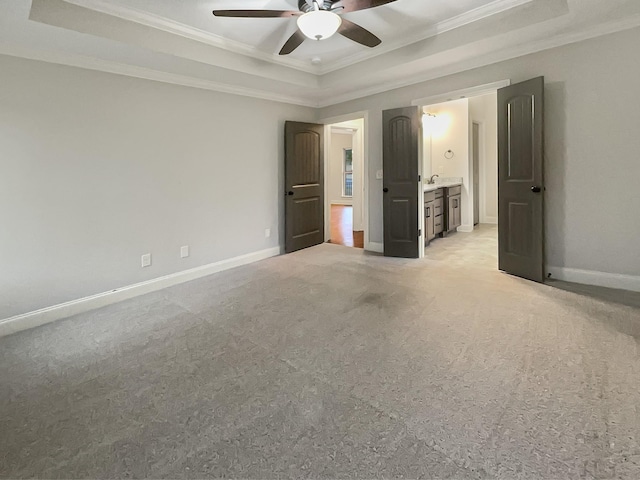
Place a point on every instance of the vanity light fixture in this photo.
(429, 122)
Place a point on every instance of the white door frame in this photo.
(464, 93)
(472, 192)
(364, 148)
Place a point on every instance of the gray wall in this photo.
(592, 146)
(98, 169)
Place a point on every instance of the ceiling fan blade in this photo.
(294, 42)
(256, 13)
(355, 5)
(358, 34)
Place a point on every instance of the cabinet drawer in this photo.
(429, 197)
(438, 224)
(438, 203)
(439, 193)
(451, 191)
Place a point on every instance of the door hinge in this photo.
(419, 178)
(419, 233)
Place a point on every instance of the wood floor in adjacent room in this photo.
(332, 363)
(342, 227)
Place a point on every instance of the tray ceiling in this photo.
(180, 41)
(397, 24)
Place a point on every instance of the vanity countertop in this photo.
(436, 186)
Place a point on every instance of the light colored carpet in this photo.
(332, 363)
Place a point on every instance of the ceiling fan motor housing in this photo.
(306, 7)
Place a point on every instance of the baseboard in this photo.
(600, 279)
(36, 318)
(346, 203)
(374, 247)
(489, 220)
(465, 228)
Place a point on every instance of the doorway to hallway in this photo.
(345, 183)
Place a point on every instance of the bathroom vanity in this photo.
(442, 209)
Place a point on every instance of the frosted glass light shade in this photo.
(319, 24)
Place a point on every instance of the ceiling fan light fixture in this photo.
(319, 24)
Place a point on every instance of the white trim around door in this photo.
(360, 136)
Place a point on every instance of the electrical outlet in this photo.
(146, 260)
(267, 232)
(184, 251)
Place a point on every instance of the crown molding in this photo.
(490, 59)
(475, 15)
(91, 63)
(316, 101)
(192, 33)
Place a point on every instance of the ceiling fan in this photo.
(318, 20)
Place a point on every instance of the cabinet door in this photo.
(451, 214)
(457, 211)
(428, 221)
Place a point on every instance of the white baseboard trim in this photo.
(465, 228)
(489, 220)
(600, 279)
(36, 318)
(346, 203)
(374, 247)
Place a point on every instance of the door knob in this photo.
(290, 193)
(536, 189)
(385, 190)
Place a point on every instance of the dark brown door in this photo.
(400, 182)
(304, 185)
(521, 179)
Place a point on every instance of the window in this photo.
(347, 173)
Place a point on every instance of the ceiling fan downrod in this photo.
(306, 7)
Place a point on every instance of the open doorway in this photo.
(307, 180)
(345, 183)
(445, 176)
(460, 171)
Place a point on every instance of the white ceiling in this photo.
(398, 24)
(180, 41)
